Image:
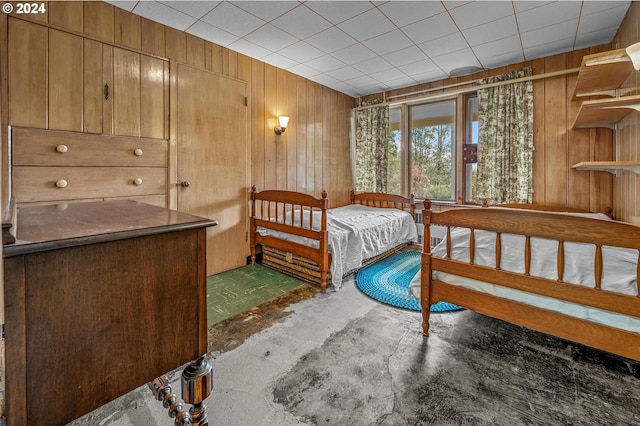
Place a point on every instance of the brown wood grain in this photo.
(65, 81)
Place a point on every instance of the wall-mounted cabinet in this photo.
(602, 74)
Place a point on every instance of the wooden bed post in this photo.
(324, 244)
(425, 272)
(252, 233)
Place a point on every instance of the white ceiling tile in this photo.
(330, 40)
(607, 18)
(505, 45)
(192, 8)
(302, 22)
(337, 14)
(405, 56)
(595, 38)
(496, 30)
(386, 75)
(324, 79)
(590, 7)
(126, 5)
(164, 14)
(388, 42)
(325, 63)
(411, 11)
(355, 40)
(232, 19)
(373, 65)
(266, 10)
(477, 13)
(303, 70)
(548, 14)
(367, 25)
(460, 59)
(443, 45)
(523, 5)
(301, 52)
(346, 73)
(547, 49)
(502, 59)
(430, 28)
(271, 36)
(550, 34)
(279, 61)
(433, 75)
(208, 32)
(250, 49)
(419, 67)
(354, 54)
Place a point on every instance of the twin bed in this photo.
(301, 236)
(567, 274)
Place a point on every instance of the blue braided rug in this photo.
(388, 281)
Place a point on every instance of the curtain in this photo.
(372, 135)
(505, 140)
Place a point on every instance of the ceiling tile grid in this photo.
(363, 47)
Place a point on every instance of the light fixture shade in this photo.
(634, 54)
(283, 122)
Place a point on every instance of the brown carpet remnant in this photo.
(232, 332)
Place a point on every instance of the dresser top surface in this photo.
(48, 227)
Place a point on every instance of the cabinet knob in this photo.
(184, 183)
(137, 181)
(138, 152)
(62, 148)
(61, 183)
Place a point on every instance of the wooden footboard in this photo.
(561, 229)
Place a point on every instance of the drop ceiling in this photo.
(365, 47)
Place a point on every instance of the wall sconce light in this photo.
(634, 54)
(283, 121)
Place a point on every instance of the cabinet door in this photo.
(64, 81)
(212, 157)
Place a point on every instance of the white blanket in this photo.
(356, 233)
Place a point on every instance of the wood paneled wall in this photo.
(314, 152)
(626, 188)
(557, 145)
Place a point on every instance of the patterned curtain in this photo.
(372, 135)
(505, 140)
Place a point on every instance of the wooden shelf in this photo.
(605, 112)
(614, 167)
(602, 73)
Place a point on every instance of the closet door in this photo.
(211, 138)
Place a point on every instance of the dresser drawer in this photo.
(35, 184)
(38, 147)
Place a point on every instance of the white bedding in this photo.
(356, 233)
(619, 271)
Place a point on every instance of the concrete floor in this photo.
(341, 358)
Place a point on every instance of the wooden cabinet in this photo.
(49, 166)
(64, 81)
(100, 298)
(602, 74)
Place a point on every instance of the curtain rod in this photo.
(462, 91)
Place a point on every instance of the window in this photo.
(429, 169)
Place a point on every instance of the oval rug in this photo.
(388, 281)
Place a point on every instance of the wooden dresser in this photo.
(100, 298)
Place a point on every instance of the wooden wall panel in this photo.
(319, 116)
(626, 194)
(27, 60)
(65, 81)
